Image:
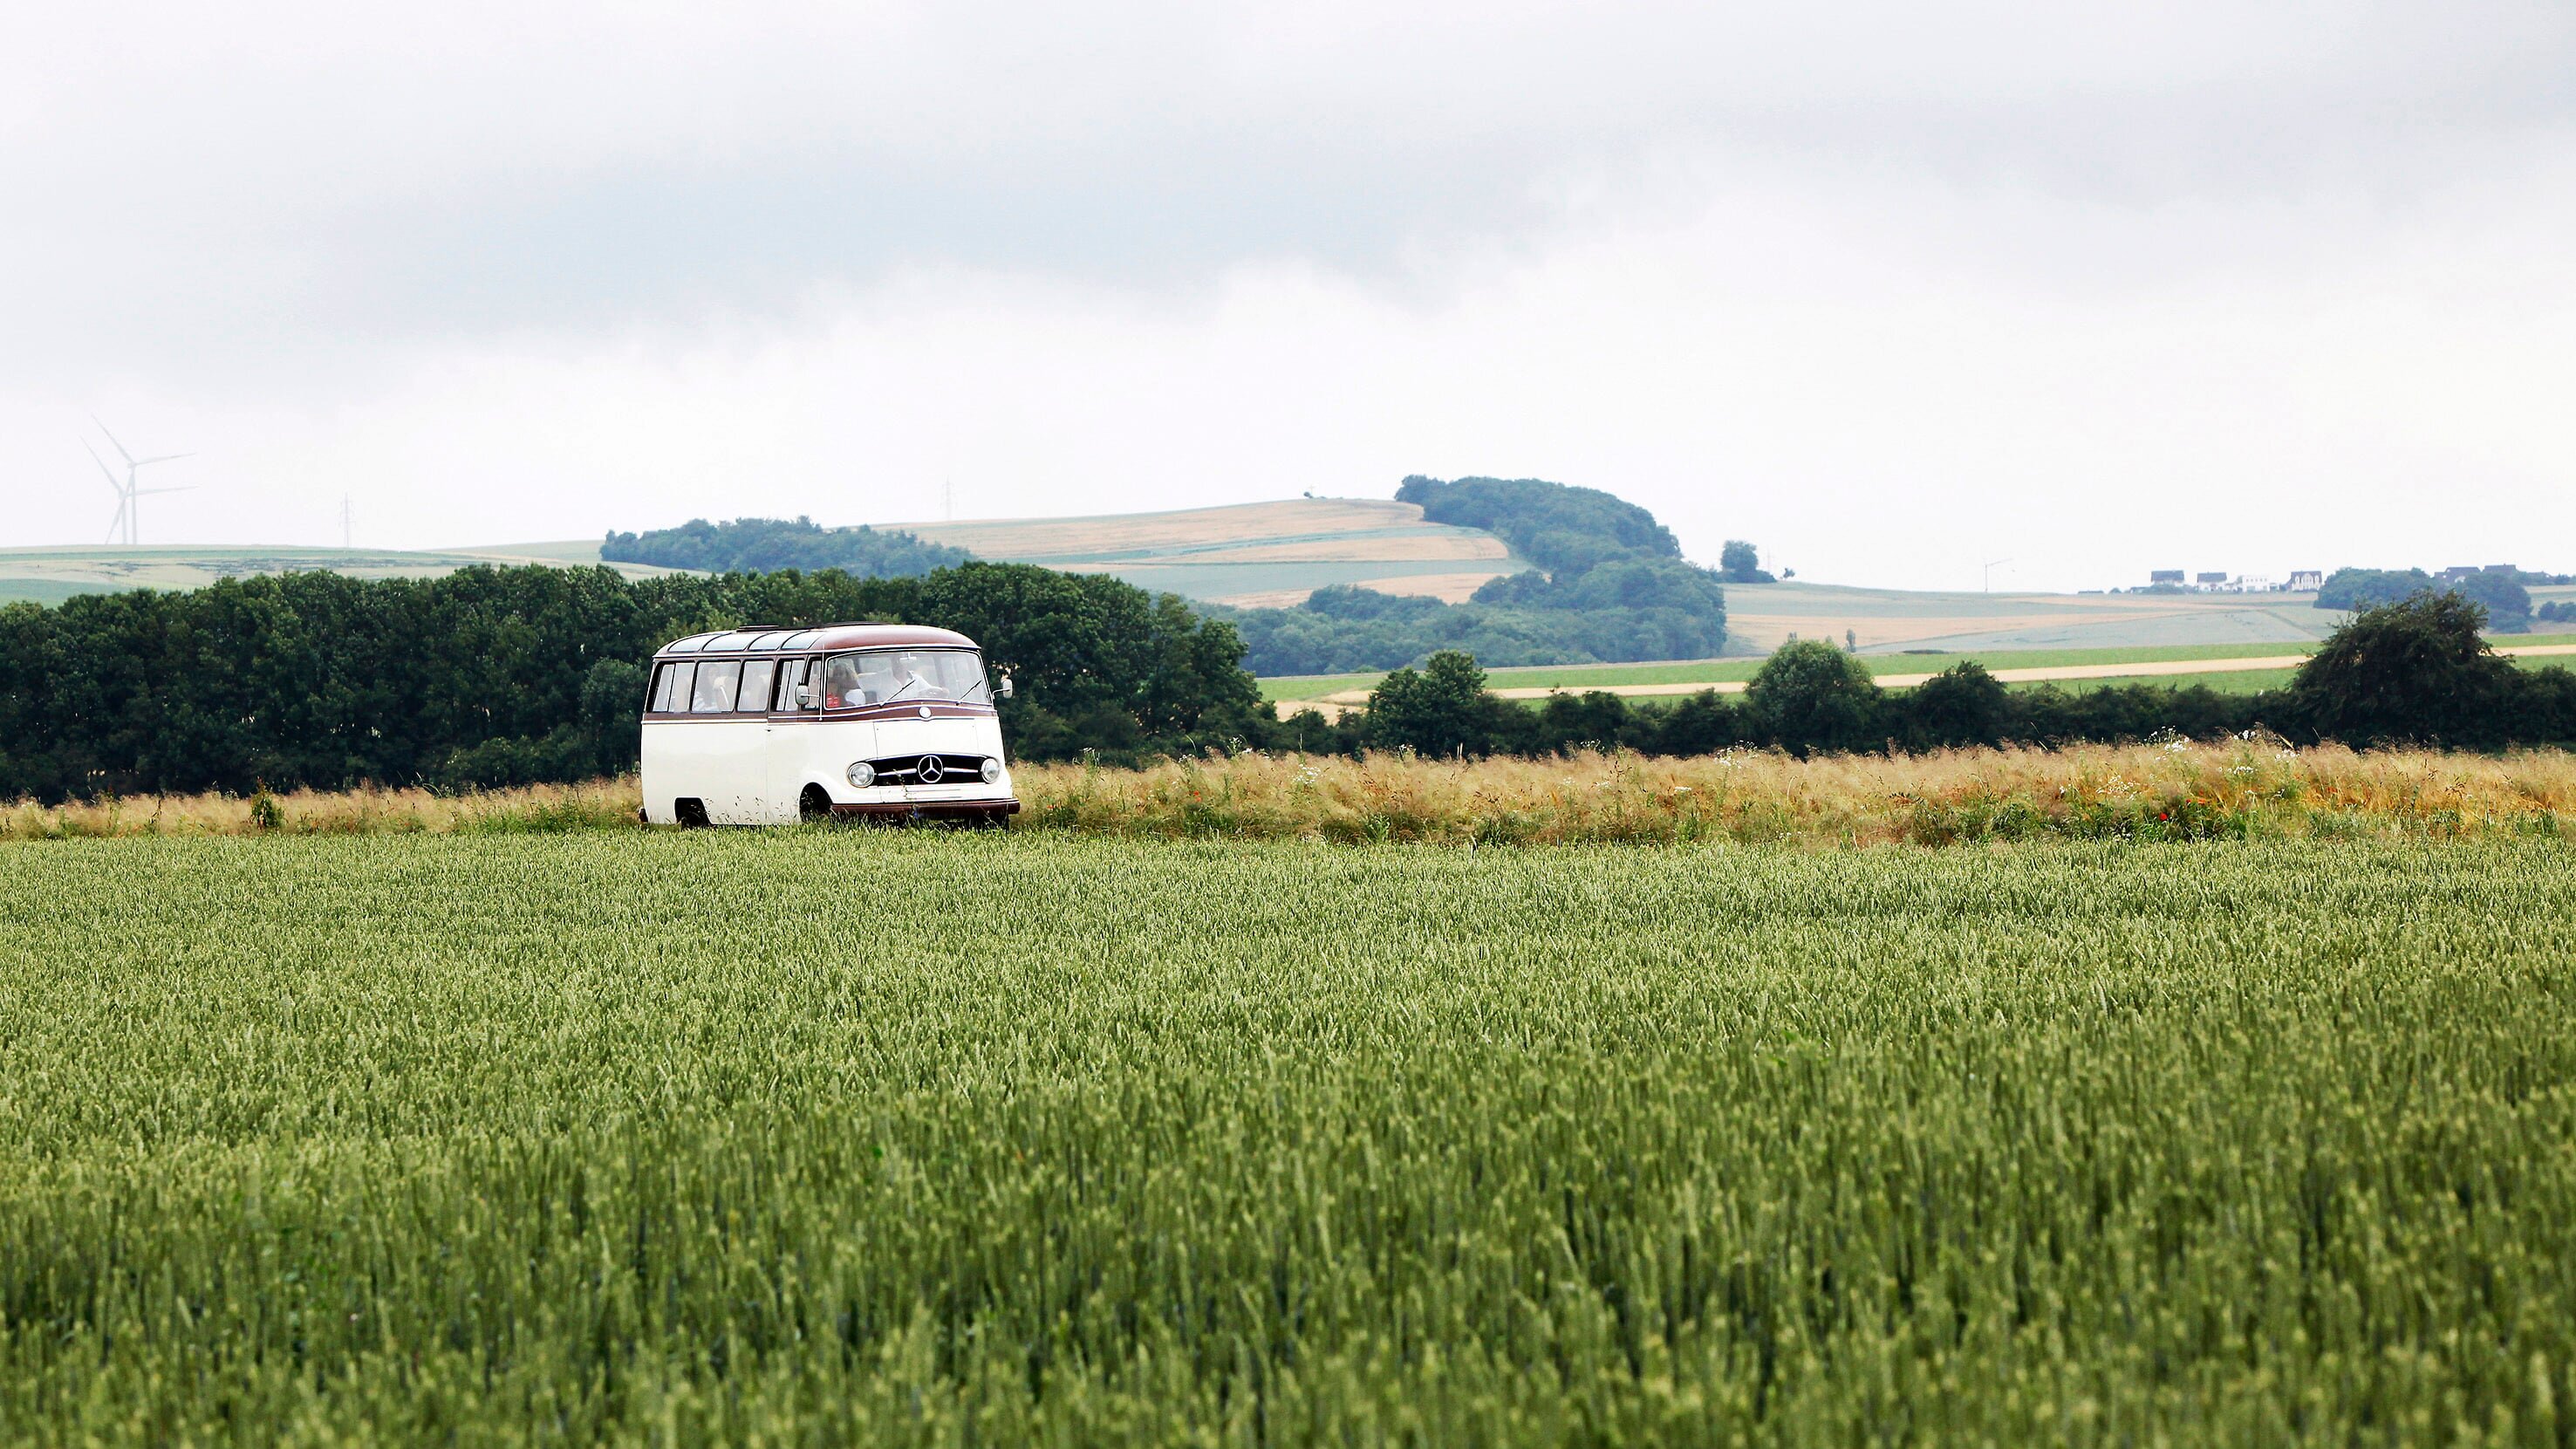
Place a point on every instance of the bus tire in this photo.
(814, 807)
(691, 813)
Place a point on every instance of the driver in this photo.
(910, 682)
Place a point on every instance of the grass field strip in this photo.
(790, 1138)
(1891, 679)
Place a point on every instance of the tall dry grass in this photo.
(370, 810)
(2176, 790)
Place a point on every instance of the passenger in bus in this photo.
(841, 682)
(715, 690)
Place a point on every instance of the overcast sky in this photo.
(1891, 289)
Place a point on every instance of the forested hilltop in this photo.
(766, 545)
(1611, 586)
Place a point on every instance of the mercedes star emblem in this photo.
(931, 770)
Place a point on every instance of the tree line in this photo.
(2499, 589)
(495, 676)
(2417, 671)
(509, 676)
(768, 545)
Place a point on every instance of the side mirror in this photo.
(804, 696)
(1006, 686)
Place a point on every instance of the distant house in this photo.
(2306, 581)
(2209, 580)
(2164, 576)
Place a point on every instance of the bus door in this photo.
(746, 754)
(790, 738)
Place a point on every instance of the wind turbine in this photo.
(128, 512)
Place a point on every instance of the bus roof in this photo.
(771, 639)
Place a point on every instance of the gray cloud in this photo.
(290, 181)
(1890, 287)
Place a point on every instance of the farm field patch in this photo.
(1254, 554)
(1353, 688)
(1761, 616)
(50, 575)
(1046, 1139)
(1688, 671)
(2233, 681)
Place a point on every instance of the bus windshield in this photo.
(892, 676)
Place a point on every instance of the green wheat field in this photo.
(806, 1137)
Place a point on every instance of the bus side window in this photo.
(756, 675)
(672, 694)
(715, 687)
(798, 675)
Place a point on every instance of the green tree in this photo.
(1441, 710)
(2416, 671)
(2364, 588)
(1961, 705)
(1739, 563)
(2507, 602)
(611, 693)
(1810, 696)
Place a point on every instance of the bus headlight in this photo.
(992, 771)
(862, 775)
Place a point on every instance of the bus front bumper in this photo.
(992, 810)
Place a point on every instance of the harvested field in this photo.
(1452, 588)
(1391, 547)
(1760, 617)
(1254, 554)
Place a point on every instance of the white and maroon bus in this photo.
(766, 726)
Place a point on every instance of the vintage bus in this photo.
(764, 726)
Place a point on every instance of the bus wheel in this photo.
(692, 814)
(814, 807)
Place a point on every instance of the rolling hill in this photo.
(1253, 555)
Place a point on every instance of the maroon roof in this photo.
(827, 636)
